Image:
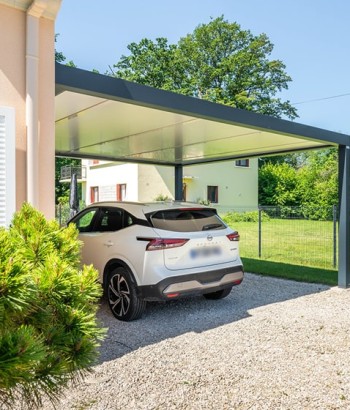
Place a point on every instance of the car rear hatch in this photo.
(193, 238)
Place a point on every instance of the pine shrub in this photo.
(49, 333)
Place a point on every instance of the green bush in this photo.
(203, 202)
(162, 197)
(253, 216)
(317, 213)
(48, 327)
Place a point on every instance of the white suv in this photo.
(158, 251)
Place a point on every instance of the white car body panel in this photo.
(101, 247)
(205, 251)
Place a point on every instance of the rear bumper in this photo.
(199, 283)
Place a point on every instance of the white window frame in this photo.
(7, 165)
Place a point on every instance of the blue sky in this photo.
(312, 37)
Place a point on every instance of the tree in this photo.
(318, 182)
(219, 62)
(309, 180)
(151, 63)
(278, 185)
(48, 328)
(60, 57)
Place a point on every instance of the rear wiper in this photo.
(211, 226)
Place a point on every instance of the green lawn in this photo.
(293, 249)
(300, 242)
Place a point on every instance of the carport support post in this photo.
(344, 217)
(178, 182)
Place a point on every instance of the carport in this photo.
(107, 118)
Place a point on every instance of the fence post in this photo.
(334, 236)
(259, 232)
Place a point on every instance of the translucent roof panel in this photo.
(102, 117)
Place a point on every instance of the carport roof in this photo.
(102, 117)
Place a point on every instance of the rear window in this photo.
(187, 220)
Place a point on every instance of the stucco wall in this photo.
(13, 24)
(47, 117)
(154, 181)
(13, 87)
(237, 186)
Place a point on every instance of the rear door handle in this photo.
(109, 244)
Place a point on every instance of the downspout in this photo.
(34, 13)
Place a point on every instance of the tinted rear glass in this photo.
(184, 220)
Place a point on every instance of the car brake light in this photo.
(159, 244)
(238, 281)
(234, 236)
(172, 295)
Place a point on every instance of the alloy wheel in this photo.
(119, 295)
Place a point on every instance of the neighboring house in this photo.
(226, 184)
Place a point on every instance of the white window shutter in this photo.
(7, 165)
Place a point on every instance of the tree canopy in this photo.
(219, 62)
(309, 181)
(61, 58)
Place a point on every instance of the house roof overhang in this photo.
(103, 117)
(37, 8)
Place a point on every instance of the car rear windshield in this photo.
(187, 220)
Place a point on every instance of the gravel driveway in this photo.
(272, 344)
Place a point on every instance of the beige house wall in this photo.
(154, 181)
(13, 72)
(13, 86)
(237, 186)
(47, 118)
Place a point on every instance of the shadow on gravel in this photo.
(170, 319)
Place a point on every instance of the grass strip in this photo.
(291, 272)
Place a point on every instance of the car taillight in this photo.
(158, 244)
(234, 236)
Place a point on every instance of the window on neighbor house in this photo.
(121, 192)
(213, 194)
(94, 195)
(242, 163)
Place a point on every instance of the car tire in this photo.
(219, 294)
(122, 296)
